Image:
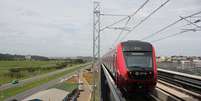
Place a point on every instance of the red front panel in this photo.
(123, 77)
(117, 65)
(121, 67)
(154, 64)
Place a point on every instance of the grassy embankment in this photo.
(68, 85)
(89, 78)
(13, 91)
(97, 83)
(12, 70)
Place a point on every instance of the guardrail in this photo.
(186, 81)
(114, 91)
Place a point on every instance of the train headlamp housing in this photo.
(137, 73)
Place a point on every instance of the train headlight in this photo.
(141, 73)
(137, 73)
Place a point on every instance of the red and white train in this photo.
(132, 65)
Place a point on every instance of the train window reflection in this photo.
(138, 59)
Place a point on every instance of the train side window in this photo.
(113, 60)
(114, 63)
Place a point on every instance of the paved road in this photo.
(47, 85)
(21, 82)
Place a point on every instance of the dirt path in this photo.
(85, 95)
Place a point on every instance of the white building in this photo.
(28, 57)
(197, 63)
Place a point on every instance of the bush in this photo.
(14, 70)
(15, 74)
(61, 65)
(31, 69)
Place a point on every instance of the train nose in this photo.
(141, 75)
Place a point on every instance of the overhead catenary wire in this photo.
(172, 35)
(193, 29)
(114, 23)
(143, 20)
(192, 23)
(119, 28)
(199, 20)
(127, 17)
(114, 15)
(119, 35)
(130, 17)
(172, 24)
(196, 21)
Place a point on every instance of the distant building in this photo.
(197, 63)
(178, 58)
(28, 57)
(163, 59)
(185, 61)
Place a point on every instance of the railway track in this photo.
(165, 90)
(169, 92)
(149, 97)
(189, 85)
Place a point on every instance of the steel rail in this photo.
(186, 81)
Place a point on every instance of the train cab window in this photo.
(138, 59)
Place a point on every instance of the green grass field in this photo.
(66, 86)
(6, 65)
(25, 63)
(13, 91)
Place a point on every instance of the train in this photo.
(132, 64)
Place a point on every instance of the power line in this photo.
(192, 23)
(119, 28)
(196, 17)
(128, 17)
(196, 21)
(142, 6)
(192, 29)
(199, 20)
(139, 8)
(164, 28)
(119, 35)
(114, 23)
(114, 15)
(172, 35)
(145, 18)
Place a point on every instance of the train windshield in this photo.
(138, 59)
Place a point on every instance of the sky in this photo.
(63, 28)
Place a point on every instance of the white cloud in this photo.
(64, 27)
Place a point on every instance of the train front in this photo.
(139, 66)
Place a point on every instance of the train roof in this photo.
(135, 45)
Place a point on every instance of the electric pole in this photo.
(96, 42)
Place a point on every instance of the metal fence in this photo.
(189, 68)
